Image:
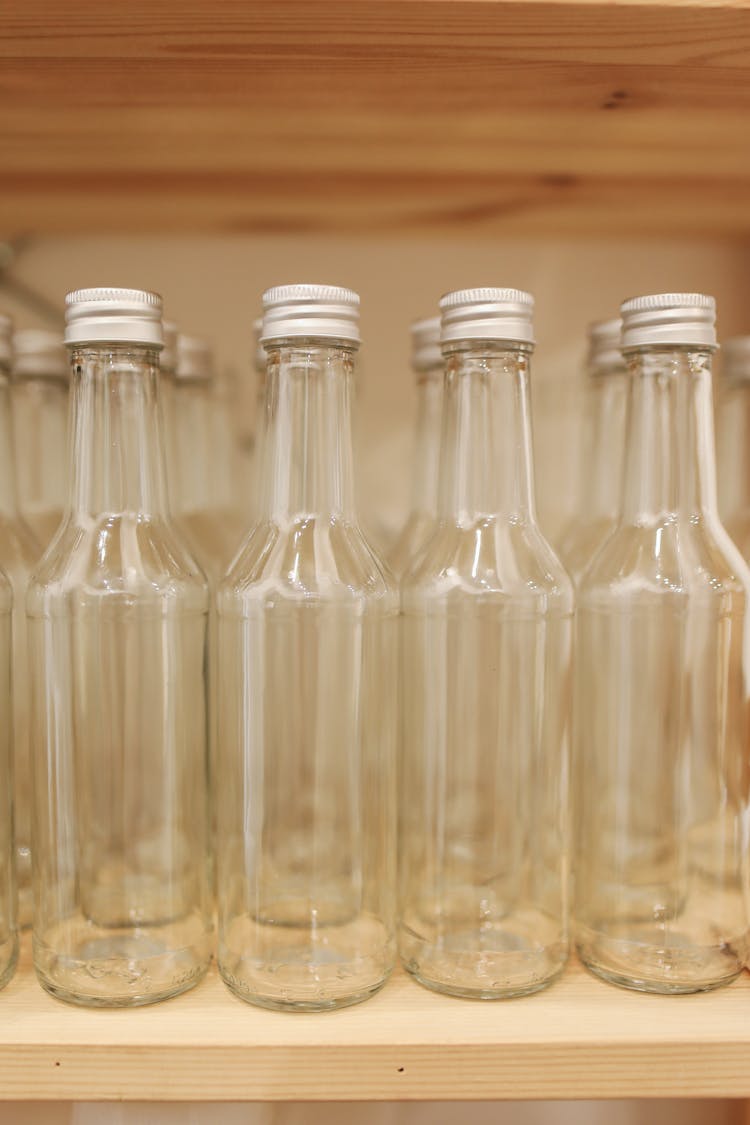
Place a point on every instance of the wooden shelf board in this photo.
(579, 1039)
(495, 116)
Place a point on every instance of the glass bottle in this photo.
(203, 468)
(19, 552)
(427, 362)
(39, 401)
(307, 680)
(733, 429)
(8, 900)
(662, 685)
(603, 449)
(117, 615)
(487, 624)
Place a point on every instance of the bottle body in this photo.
(117, 619)
(8, 886)
(661, 702)
(307, 716)
(487, 622)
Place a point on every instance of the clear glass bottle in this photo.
(8, 892)
(19, 552)
(427, 362)
(39, 400)
(308, 623)
(603, 449)
(733, 431)
(662, 685)
(117, 617)
(487, 624)
(204, 461)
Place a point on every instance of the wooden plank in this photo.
(581, 1039)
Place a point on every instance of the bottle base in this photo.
(274, 1004)
(8, 959)
(120, 970)
(677, 970)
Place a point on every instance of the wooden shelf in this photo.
(400, 116)
(579, 1039)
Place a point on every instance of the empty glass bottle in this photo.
(8, 902)
(307, 686)
(19, 552)
(203, 479)
(733, 430)
(117, 615)
(427, 361)
(662, 685)
(39, 399)
(487, 622)
(603, 449)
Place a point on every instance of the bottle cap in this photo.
(260, 358)
(168, 357)
(425, 344)
(39, 352)
(113, 316)
(487, 314)
(194, 358)
(604, 346)
(6, 333)
(669, 319)
(736, 359)
(316, 311)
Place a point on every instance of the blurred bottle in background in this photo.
(733, 445)
(39, 401)
(19, 553)
(602, 454)
(487, 631)
(662, 685)
(427, 363)
(117, 618)
(307, 692)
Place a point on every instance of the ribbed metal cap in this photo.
(487, 314)
(195, 358)
(664, 319)
(114, 316)
(316, 311)
(604, 346)
(41, 353)
(735, 361)
(6, 335)
(425, 344)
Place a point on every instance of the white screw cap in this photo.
(425, 344)
(195, 358)
(6, 335)
(324, 312)
(487, 314)
(113, 316)
(604, 346)
(736, 359)
(168, 357)
(39, 352)
(669, 319)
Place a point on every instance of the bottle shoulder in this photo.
(495, 559)
(308, 559)
(123, 555)
(20, 551)
(671, 556)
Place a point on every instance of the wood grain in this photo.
(489, 116)
(580, 1039)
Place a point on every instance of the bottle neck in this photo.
(486, 463)
(190, 408)
(427, 444)
(8, 495)
(734, 448)
(307, 465)
(670, 461)
(40, 424)
(603, 445)
(117, 456)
